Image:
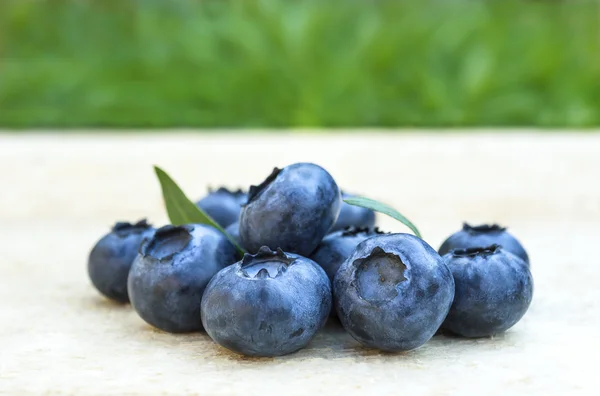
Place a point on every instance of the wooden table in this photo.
(60, 193)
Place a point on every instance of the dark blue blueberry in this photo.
(111, 258)
(234, 231)
(493, 291)
(393, 292)
(336, 247)
(353, 216)
(482, 236)
(293, 209)
(268, 304)
(223, 206)
(169, 275)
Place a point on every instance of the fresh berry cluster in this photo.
(311, 256)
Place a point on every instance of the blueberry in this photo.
(269, 304)
(169, 275)
(493, 291)
(111, 258)
(338, 246)
(234, 231)
(223, 206)
(481, 236)
(393, 292)
(353, 216)
(292, 209)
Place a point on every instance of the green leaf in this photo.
(382, 208)
(183, 211)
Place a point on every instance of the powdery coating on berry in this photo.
(167, 280)
(293, 209)
(482, 236)
(412, 299)
(264, 315)
(493, 292)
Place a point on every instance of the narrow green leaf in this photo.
(382, 208)
(183, 211)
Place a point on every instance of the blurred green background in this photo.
(286, 63)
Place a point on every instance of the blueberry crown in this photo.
(351, 231)
(477, 251)
(277, 260)
(225, 190)
(482, 229)
(389, 270)
(166, 242)
(124, 228)
(256, 190)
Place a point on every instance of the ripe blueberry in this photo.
(336, 247)
(293, 209)
(393, 292)
(111, 258)
(269, 304)
(223, 206)
(234, 231)
(353, 216)
(482, 236)
(169, 275)
(493, 291)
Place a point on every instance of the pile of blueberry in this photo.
(312, 257)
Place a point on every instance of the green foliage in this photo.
(259, 63)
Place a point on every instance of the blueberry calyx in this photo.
(477, 251)
(124, 229)
(378, 275)
(354, 231)
(255, 191)
(225, 190)
(167, 242)
(262, 274)
(265, 264)
(482, 229)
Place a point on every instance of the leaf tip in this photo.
(158, 170)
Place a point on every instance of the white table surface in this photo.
(60, 193)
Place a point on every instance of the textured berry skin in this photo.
(111, 258)
(268, 304)
(169, 275)
(393, 292)
(293, 209)
(353, 216)
(482, 236)
(223, 206)
(338, 246)
(493, 291)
